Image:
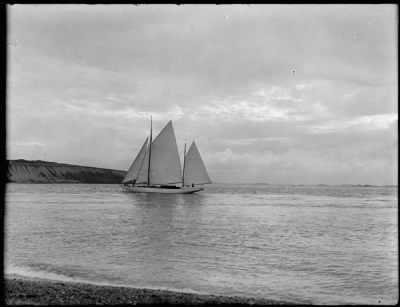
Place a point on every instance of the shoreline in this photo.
(21, 290)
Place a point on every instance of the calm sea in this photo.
(305, 244)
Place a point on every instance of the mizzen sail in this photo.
(133, 171)
(195, 170)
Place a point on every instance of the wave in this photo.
(40, 274)
(24, 271)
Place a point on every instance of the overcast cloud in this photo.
(271, 93)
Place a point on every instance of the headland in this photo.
(25, 171)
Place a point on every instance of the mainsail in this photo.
(136, 165)
(165, 165)
(195, 172)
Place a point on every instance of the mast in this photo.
(183, 174)
(151, 139)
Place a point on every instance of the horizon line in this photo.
(236, 183)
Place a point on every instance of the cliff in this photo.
(24, 171)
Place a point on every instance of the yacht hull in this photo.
(156, 190)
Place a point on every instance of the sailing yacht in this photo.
(157, 167)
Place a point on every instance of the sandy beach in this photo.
(29, 291)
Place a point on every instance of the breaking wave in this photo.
(40, 274)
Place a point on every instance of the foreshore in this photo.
(30, 291)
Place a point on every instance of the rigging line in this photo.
(151, 138)
(183, 173)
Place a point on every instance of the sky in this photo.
(297, 94)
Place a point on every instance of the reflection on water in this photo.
(302, 244)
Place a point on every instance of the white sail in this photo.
(142, 176)
(133, 171)
(195, 171)
(165, 165)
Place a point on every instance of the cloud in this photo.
(361, 123)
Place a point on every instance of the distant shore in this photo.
(30, 291)
(25, 171)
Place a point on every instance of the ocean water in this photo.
(305, 244)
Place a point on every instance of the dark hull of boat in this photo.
(157, 190)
